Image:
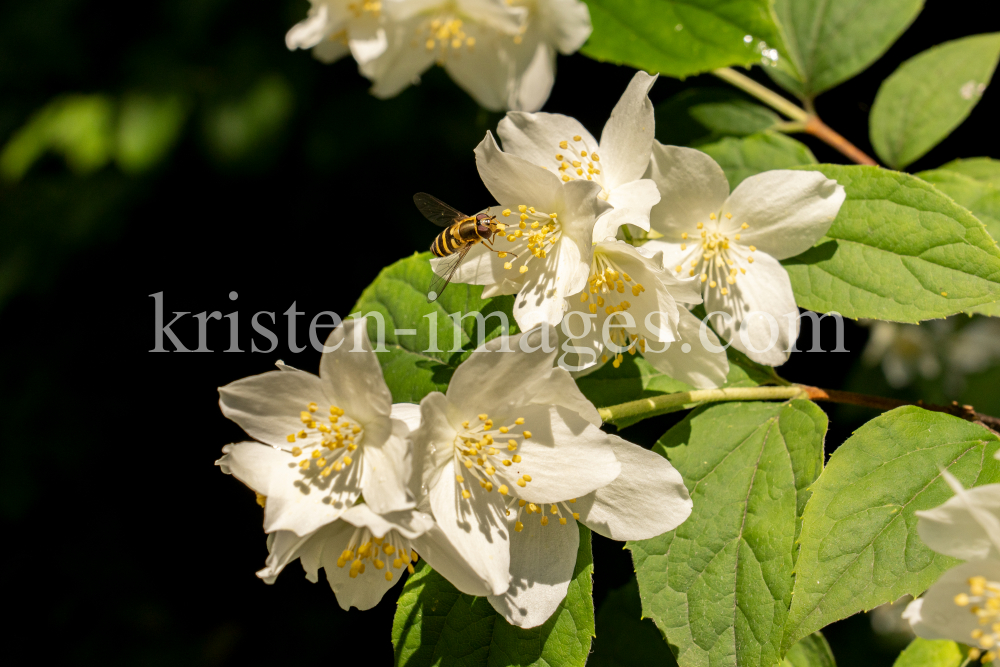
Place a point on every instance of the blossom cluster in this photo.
(964, 604)
(623, 235)
(502, 52)
(486, 482)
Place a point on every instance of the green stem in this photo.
(650, 407)
(803, 120)
(762, 93)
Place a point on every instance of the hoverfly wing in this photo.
(443, 279)
(436, 210)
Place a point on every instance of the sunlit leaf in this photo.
(830, 42)
(929, 96)
(859, 546)
(423, 344)
(681, 38)
(741, 158)
(899, 250)
(719, 586)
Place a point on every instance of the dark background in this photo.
(125, 545)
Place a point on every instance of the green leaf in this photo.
(411, 367)
(931, 653)
(982, 169)
(981, 198)
(738, 118)
(859, 546)
(829, 42)
(741, 158)
(680, 37)
(929, 96)
(811, 651)
(719, 586)
(899, 250)
(636, 379)
(698, 115)
(437, 625)
(624, 637)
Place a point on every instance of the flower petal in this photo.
(628, 135)
(297, 500)
(283, 547)
(565, 23)
(535, 137)
(408, 523)
(542, 560)
(330, 51)
(401, 64)
(533, 77)
(692, 186)
(387, 472)
(485, 72)
(632, 203)
(408, 413)
(367, 47)
(268, 406)
(566, 456)
(698, 367)
(787, 211)
(647, 499)
(937, 616)
(494, 378)
(435, 548)
(514, 181)
(559, 388)
(352, 374)
(966, 526)
(476, 527)
(432, 442)
(313, 29)
(363, 591)
(764, 291)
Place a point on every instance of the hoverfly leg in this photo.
(492, 249)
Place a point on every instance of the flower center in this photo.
(325, 444)
(607, 282)
(555, 509)
(363, 549)
(577, 160)
(535, 231)
(360, 7)
(983, 601)
(477, 450)
(445, 35)
(720, 258)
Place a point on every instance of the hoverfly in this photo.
(462, 233)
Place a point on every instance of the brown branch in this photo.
(880, 403)
(828, 135)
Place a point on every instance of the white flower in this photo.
(514, 438)
(631, 302)
(906, 351)
(617, 162)
(551, 26)
(466, 37)
(365, 554)
(964, 603)
(333, 28)
(732, 242)
(547, 251)
(323, 441)
(903, 351)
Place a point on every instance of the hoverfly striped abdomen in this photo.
(462, 233)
